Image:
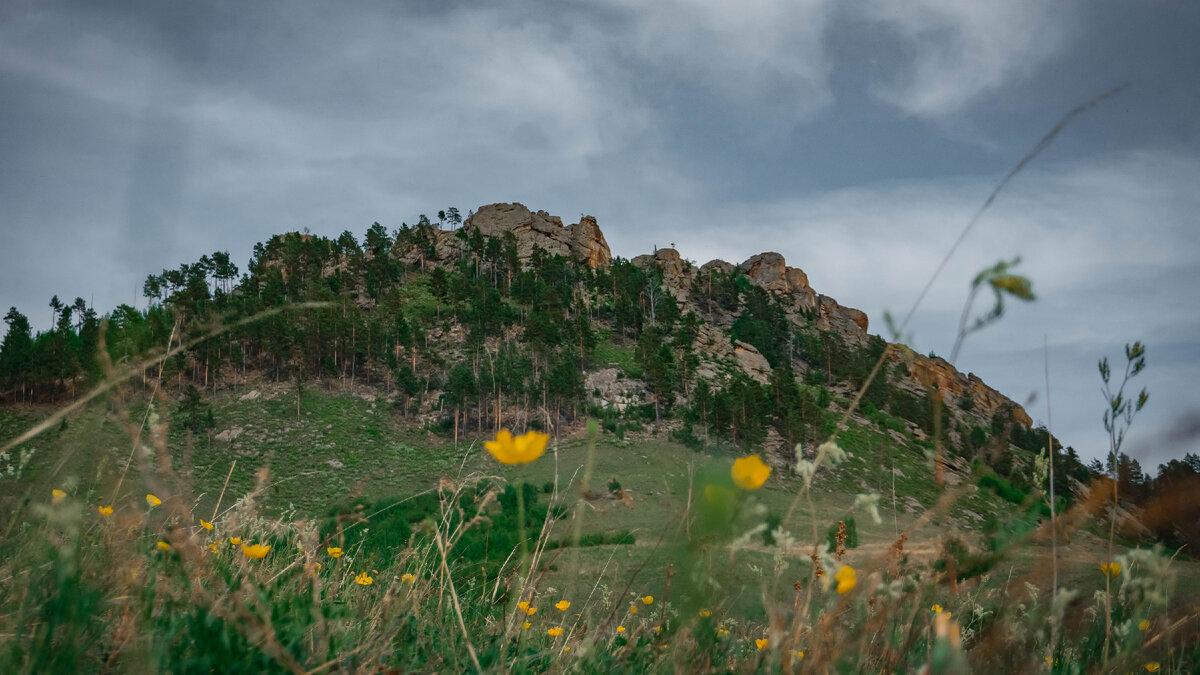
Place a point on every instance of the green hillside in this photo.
(334, 402)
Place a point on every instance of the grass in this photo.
(282, 613)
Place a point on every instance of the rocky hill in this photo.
(789, 286)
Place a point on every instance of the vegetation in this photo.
(311, 437)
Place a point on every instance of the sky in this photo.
(856, 139)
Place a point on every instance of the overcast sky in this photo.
(855, 138)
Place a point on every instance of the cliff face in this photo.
(582, 241)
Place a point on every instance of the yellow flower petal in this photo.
(1153, 666)
(1144, 624)
(256, 551)
(205, 524)
(519, 450)
(620, 629)
(408, 578)
(936, 609)
(523, 606)
(846, 579)
(152, 500)
(705, 613)
(105, 510)
(364, 579)
(235, 540)
(554, 632)
(526, 625)
(334, 551)
(749, 473)
(648, 600)
(762, 643)
(57, 496)
(633, 609)
(213, 547)
(163, 546)
(562, 605)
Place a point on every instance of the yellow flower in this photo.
(57, 496)
(256, 551)
(705, 613)
(335, 551)
(519, 450)
(531, 611)
(163, 546)
(213, 547)
(1153, 666)
(554, 632)
(364, 579)
(526, 625)
(936, 609)
(562, 605)
(722, 632)
(566, 649)
(152, 500)
(105, 510)
(620, 629)
(798, 655)
(846, 579)
(318, 567)
(205, 524)
(523, 606)
(762, 643)
(633, 609)
(1111, 569)
(648, 600)
(408, 578)
(1144, 624)
(749, 473)
(235, 540)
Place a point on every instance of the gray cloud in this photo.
(854, 139)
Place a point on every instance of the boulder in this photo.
(582, 241)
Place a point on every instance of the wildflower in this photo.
(562, 605)
(798, 655)
(705, 613)
(749, 473)
(364, 579)
(318, 567)
(620, 629)
(648, 600)
(105, 510)
(57, 496)
(523, 606)
(408, 578)
(936, 609)
(762, 643)
(152, 500)
(1144, 625)
(205, 524)
(234, 541)
(1153, 666)
(657, 629)
(526, 625)
(846, 579)
(532, 610)
(1111, 569)
(256, 551)
(554, 632)
(633, 609)
(519, 450)
(335, 551)
(722, 632)
(163, 546)
(566, 649)
(213, 547)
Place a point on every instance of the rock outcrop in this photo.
(954, 386)
(582, 241)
